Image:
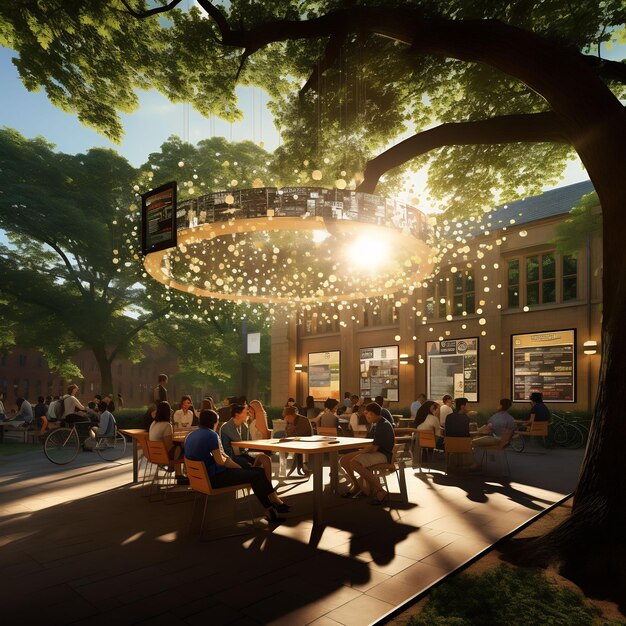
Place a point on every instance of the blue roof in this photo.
(549, 204)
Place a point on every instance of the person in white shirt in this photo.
(183, 417)
(426, 419)
(358, 422)
(73, 410)
(445, 409)
(421, 398)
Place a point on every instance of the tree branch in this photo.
(141, 14)
(331, 53)
(128, 336)
(607, 70)
(531, 127)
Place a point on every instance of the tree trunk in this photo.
(104, 365)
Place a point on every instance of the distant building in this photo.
(513, 321)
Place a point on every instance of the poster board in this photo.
(378, 372)
(452, 368)
(158, 218)
(324, 375)
(544, 362)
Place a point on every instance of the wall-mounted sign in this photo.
(158, 218)
(544, 362)
(254, 343)
(324, 375)
(379, 373)
(452, 369)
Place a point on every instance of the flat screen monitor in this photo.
(158, 218)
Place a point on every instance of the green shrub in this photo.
(505, 595)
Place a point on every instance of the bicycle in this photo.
(62, 445)
(568, 431)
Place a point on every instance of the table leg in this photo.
(316, 462)
(135, 461)
(334, 470)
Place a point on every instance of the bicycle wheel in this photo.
(517, 443)
(560, 434)
(111, 448)
(61, 446)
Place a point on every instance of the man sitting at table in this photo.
(457, 425)
(379, 451)
(203, 445)
(235, 430)
(297, 426)
(495, 427)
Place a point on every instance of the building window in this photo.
(380, 312)
(319, 320)
(429, 306)
(570, 271)
(513, 284)
(463, 293)
(540, 279)
(22, 360)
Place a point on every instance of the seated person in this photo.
(23, 417)
(328, 417)
(73, 410)
(204, 445)
(290, 402)
(446, 407)
(235, 430)
(161, 430)
(297, 426)
(379, 451)
(310, 411)
(386, 413)
(257, 427)
(539, 412)
(105, 428)
(457, 425)
(495, 427)
(426, 419)
(358, 422)
(184, 416)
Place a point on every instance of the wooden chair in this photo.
(158, 456)
(425, 441)
(536, 429)
(499, 449)
(327, 431)
(142, 440)
(456, 445)
(397, 467)
(200, 483)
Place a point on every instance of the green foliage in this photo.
(505, 595)
(584, 221)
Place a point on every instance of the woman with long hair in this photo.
(258, 426)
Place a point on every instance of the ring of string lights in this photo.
(294, 245)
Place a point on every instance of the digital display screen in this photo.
(324, 375)
(379, 369)
(158, 218)
(544, 362)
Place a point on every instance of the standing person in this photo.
(495, 427)
(185, 415)
(235, 430)
(120, 401)
(457, 425)
(445, 409)
(416, 404)
(204, 445)
(379, 451)
(159, 393)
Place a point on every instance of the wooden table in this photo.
(136, 434)
(315, 447)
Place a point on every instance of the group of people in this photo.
(67, 408)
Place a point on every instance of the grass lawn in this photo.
(9, 448)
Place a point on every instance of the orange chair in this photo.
(158, 456)
(397, 466)
(536, 429)
(456, 445)
(327, 431)
(426, 442)
(499, 449)
(200, 483)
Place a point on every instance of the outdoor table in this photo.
(315, 447)
(136, 434)
(180, 434)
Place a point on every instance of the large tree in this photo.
(499, 95)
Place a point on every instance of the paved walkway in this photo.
(79, 545)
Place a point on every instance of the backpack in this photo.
(58, 408)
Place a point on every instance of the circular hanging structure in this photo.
(294, 245)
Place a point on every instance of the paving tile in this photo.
(361, 611)
(324, 621)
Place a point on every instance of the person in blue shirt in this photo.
(496, 426)
(386, 413)
(205, 445)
